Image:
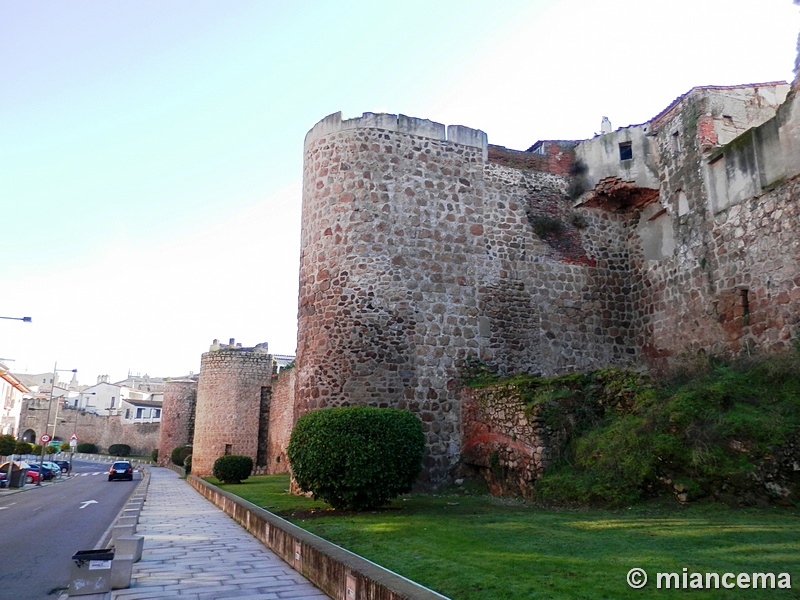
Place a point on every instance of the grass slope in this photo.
(477, 547)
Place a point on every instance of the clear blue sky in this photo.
(151, 151)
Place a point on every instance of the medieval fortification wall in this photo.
(417, 253)
(177, 418)
(232, 405)
(422, 247)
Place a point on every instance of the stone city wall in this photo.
(177, 418)
(417, 253)
(281, 420)
(388, 305)
(423, 246)
(727, 271)
(232, 387)
(103, 431)
(504, 440)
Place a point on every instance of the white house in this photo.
(11, 392)
(141, 411)
(106, 398)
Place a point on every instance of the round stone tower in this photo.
(177, 417)
(391, 205)
(232, 405)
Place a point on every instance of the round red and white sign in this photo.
(45, 438)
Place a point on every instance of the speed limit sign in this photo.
(45, 438)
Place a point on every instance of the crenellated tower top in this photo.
(457, 134)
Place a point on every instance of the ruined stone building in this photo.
(423, 245)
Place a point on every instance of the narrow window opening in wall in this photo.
(228, 449)
(676, 142)
(263, 427)
(728, 120)
(745, 306)
(625, 151)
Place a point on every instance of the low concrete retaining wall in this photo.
(336, 571)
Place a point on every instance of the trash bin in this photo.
(91, 572)
(19, 470)
(18, 478)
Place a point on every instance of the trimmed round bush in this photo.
(119, 450)
(187, 464)
(356, 457)
(233, 468)
(87, 448)
(179, 454)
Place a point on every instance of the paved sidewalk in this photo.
(193, 550)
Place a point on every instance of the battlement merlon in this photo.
(457, 134)
(233, 345)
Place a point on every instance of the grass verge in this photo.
(477, 547)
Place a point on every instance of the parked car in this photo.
(121, 469)
(63, 464)
(48, 473)
(3, 479)
(55, 467)
(32, 476)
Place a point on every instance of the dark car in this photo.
(47, 472)
(3, 479)
(121, 469)
(64, 464)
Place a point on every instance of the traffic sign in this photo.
(45, 438)
(74, 436)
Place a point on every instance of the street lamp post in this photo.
(47, 422)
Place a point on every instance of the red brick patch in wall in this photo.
(617, 195)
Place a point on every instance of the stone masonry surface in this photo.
(231, 392)
(420, 249)
(178, 414)
(281, 421)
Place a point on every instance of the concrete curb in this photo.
(122, 573)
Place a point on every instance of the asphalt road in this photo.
(42, 527)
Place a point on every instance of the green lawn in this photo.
(476, 547)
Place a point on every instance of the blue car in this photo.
(48, 473)
(63, 464)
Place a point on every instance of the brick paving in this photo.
(192, 550)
